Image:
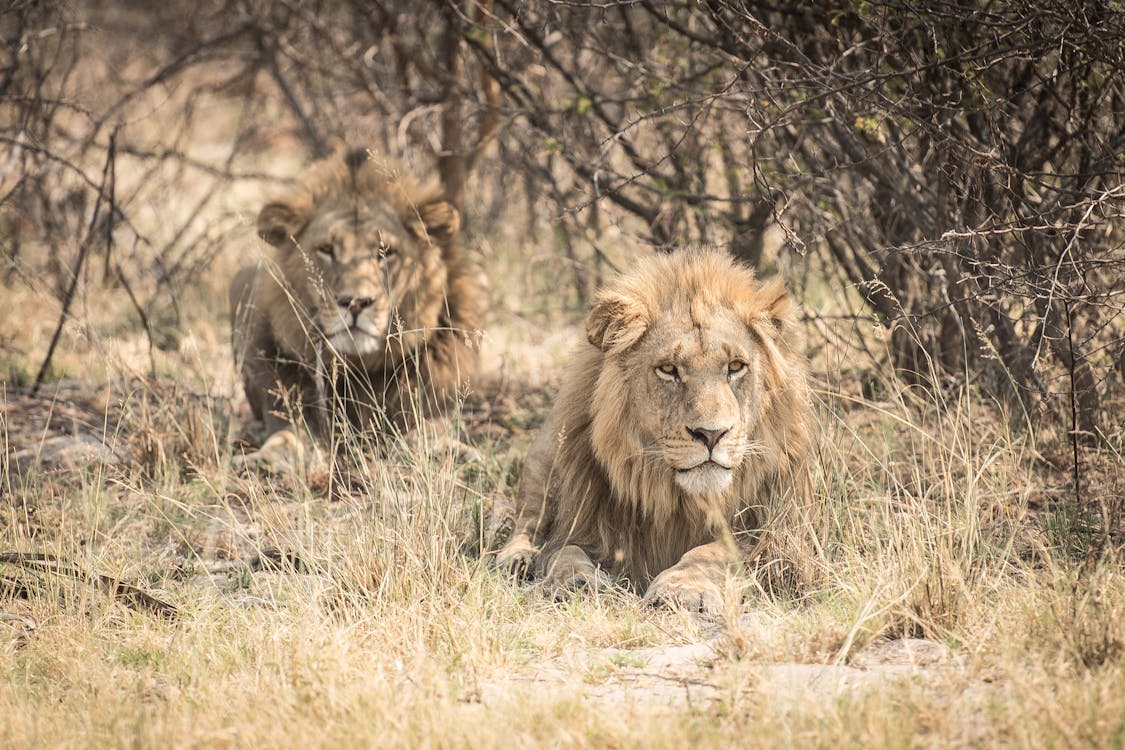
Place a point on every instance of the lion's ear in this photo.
(771, 308)
(616, 322)
(277, 222)
(779, 306)
(440, 221)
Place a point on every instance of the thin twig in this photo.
(83, 250)
(126, 593)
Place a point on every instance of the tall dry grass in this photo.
(312, 612)
(368, 617)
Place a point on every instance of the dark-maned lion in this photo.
(369, 311)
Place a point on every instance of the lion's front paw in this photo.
(562, 585)
(685, 589)
(516, 556)
(572, 569)
(282, 454)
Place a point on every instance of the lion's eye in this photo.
(387, 251)
(327, 249)
(735, 368)
(667, 371)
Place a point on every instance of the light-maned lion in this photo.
(369, 311)
(677, 445)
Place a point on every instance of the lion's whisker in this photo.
(753, 448)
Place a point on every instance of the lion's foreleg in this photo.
(698, 580)
(525, 519)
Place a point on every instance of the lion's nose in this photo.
(355, 305)
(710, 438)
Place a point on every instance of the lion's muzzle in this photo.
(356, 325)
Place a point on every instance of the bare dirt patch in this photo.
(691, 676)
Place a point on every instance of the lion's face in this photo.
(695, 391)
(366, 268)
(365, 262)
(685, 373)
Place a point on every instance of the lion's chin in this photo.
(355, 343)
(706, 479)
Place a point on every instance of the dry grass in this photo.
(370, 619)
